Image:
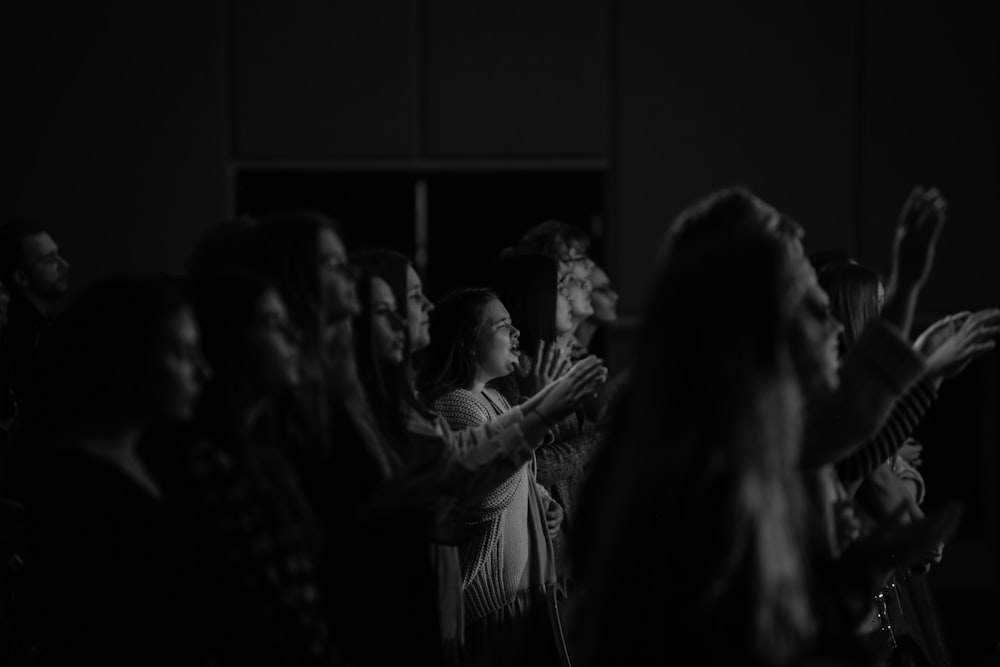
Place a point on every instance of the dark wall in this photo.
(125, 126)
(113, 121)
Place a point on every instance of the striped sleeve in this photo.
(906, 413)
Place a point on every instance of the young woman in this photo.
(700, 501)
(235, 486)
(458, 467)
(116, 581)
(528, 285)
(508, 568)
(903, 615)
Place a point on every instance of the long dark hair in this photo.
(391, 389)
(853, 290)
(284, 248)
(528, 283)
(226, 305)
(705, 443)
(456, 322)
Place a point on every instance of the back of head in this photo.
(221, 247)
(284, 247)
(727, 211)
(527, 283)
(854, 291)
(455, 325)
(555, 239)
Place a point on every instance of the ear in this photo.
(20, 277)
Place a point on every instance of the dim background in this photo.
(445, 128)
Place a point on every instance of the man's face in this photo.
(44, 272)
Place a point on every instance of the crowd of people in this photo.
(286, 454)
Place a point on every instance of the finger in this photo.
(987, 332)
(556, 360)
(988, 316)
(980, 349)
(910, 205)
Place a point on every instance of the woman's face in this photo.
(336, 278)
(418, 309)
(603, 298)
(497, 343)
(564, 308)
(272, 352)
(178, 370)
(816, 348)
(388, 328)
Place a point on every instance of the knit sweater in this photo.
(495, 560)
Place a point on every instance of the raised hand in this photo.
(549, 363)
(553, 517)
(919, 226)
(911, 451)
(582, 380)
(965, 337)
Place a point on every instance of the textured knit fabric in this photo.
(508, 566)
(562, 466)
(479, 458)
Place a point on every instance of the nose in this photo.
(62, 261)
(397, 321)
(428, 304)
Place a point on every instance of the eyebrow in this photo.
(502, 320)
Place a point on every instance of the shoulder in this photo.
(461, 409)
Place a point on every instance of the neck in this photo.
(44, 306)
(585, 332)
(478, 385)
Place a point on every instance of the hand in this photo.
(553, 517)
(583, 379)
(910, 452)
(919, 226)
(549, 363)
(895, 542)
(847, 524)
(965, 337)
